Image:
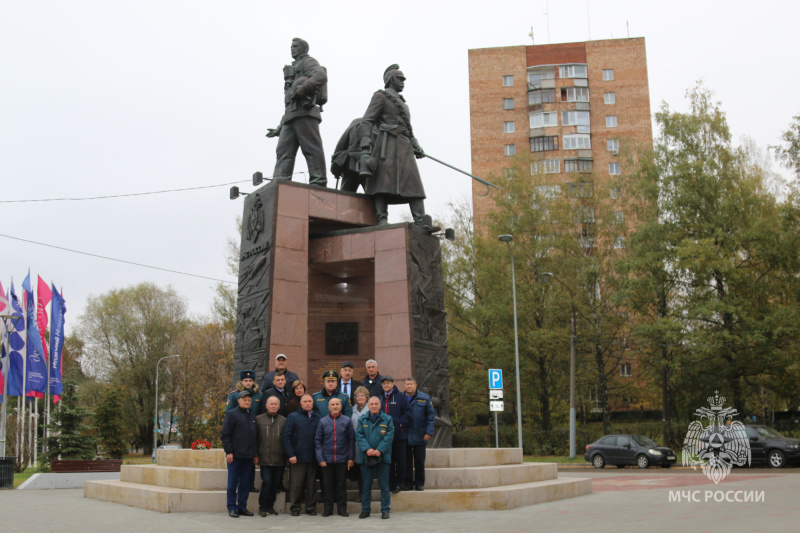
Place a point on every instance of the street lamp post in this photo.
(572, 337)
(507, 239)
(155, 421)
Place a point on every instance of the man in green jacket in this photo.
(374, 436)
(331, 390)
(271, 457)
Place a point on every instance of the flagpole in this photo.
(5, 384)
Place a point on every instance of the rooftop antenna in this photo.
(531, 36)
(588, 20)
(548, 21)
(627, 25)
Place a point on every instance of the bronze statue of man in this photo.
(305, 92)
(388, 151)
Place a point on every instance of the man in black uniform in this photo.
(305, 92)
(239, 443)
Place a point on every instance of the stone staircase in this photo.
(457, 479)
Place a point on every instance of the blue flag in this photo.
(58, 308)
(36, 368)
(16, 342)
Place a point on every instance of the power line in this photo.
(130, 194)
(114, 259)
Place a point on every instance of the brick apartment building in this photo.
(571, 106)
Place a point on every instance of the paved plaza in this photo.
(623, 500)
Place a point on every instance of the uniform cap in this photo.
(330, 374)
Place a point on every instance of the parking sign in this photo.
(495, 378)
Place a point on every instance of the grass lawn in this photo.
(20, 478)
(136, 459)
(555, 459)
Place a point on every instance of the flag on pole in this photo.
(3, 358)
(16, 342)
(57, 311)
(36, 369)
(43, 297)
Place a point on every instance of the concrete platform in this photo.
(465, 479)
(63, 480)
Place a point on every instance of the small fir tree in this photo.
(70, 437)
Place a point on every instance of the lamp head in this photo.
(506, 238)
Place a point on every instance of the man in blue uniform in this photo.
(239, 442)
(423, 419)
(374, 436)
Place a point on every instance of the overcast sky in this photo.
(106, 98)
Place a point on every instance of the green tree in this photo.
(125, 332)
(108, 420)
(71, 437)
(789, 152)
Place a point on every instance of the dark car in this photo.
(624, 450)
(770, 447)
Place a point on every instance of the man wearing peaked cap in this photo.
(330, 390)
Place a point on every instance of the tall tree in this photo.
(111, 434)
(125, 332)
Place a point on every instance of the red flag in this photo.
(43, 297)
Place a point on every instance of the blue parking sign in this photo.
(495, 378)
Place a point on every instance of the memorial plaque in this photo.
(341, 338)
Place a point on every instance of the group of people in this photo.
(357, 430)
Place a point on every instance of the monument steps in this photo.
(456, 480)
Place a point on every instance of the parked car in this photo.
(624, 450)
(771, 447)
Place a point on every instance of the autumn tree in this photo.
(124, 333)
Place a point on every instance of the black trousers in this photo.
(415, 465)
(303, 133)
(397, 470)
(302, 484)
(334, 477)
(270, 479)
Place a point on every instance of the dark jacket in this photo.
(239, 433)
(266, 381)
(335, 441)
(354, 384)
(397, 407)
(423, 419)
(373, 385)
(376, 434)
(293, 404)
(270, 448)
(322, 398)
(298, 436)
(282, 396)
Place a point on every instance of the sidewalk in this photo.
(621, 502)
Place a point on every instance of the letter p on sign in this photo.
(495, 378)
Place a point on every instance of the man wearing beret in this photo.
(331, 390)
(239, 442)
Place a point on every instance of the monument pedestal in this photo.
(319, 282)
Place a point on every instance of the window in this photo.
(546, 166)
(618, 217)
(625, 370)
(575, 94)
(581, 189)
(511, 149)
(510, 173)
(575, 118)
(544, 120)
(613, 169)
(616, 193)
(610, 98)
(577, 165)
(508, 127)
(549, 191)
(535, 77)
(619, 243)
(577, 142)
(608, 74)
(543, 96)
(508, 81)
(611, 121)
(508, 103)
(613, 145)
(543, 144)
(572, 71)
(583, 214)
